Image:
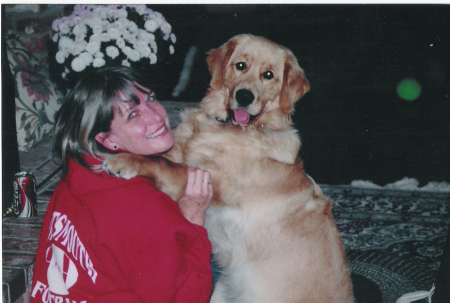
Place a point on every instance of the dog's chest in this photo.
(223, 145)
(226, 226)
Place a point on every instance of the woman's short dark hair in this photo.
(89, 110)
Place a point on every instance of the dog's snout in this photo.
(244, 97)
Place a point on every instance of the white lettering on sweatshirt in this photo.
(63, 232)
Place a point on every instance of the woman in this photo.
(105, 239)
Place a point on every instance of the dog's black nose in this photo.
(244, 97)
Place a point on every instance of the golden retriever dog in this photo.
(271, 229)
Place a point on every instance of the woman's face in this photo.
(141, 129)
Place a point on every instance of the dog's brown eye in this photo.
(240, 66)
(268, 75)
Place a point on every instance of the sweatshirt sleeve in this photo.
(162, 256)
(197, 256)
(175, 267)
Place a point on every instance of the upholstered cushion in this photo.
(36, 97)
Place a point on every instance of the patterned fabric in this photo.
(36, 97)
(390, 205)
(394, 238)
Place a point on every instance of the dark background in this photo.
(352, 123)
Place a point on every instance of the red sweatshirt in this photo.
(105, 239)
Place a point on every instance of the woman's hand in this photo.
(197, 196)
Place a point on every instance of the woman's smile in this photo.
(160, 132)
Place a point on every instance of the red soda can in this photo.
(25, 199)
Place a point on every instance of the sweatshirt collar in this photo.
(83, 181)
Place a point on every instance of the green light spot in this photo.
(409, 89)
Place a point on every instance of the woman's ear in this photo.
(105, 140)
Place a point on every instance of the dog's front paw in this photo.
(123, 165)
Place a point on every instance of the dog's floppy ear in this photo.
(218, 60)
(295, 84)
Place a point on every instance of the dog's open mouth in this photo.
(241, 116)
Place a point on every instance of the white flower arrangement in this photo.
(97, 35)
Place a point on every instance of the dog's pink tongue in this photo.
(241, 116)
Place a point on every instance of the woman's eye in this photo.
(151, 99)
(268, 75)
(240, 66)
(132, 115)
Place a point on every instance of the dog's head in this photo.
(254, 82)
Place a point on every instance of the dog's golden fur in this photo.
(271, 229)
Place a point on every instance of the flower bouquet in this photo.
(109, 35)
